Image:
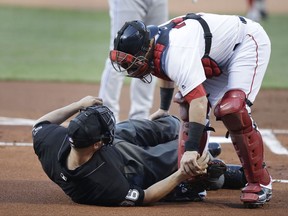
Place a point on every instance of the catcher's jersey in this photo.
(118, 173)
(238, 45)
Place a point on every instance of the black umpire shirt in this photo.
(142, 153)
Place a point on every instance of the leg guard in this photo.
(183, 132)
(247, 140)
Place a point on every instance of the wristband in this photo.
(166, 95)
(194, 136)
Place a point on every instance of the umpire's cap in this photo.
(91, 125)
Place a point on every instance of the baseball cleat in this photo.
(234, 177)
(255, 195)
(214, 149)
(187, 192)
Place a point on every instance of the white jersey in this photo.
(181, 61)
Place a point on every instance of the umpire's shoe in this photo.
(187, 192)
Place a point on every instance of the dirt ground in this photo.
(26, 190)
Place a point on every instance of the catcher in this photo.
(216, 61)
(132, 163)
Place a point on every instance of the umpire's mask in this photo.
(91, 125)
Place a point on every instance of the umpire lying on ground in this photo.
(94, 162)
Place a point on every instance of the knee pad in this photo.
(232, 111)
(246, 139)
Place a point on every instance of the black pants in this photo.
(150, 148)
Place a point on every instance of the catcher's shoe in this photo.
(256, 195)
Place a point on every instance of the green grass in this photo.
(72, 46)
(277, 72)
(60, 45)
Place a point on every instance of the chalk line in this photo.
(268, 135)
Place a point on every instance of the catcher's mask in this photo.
(131, 47)
(91, 125)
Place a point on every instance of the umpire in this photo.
(96, 163)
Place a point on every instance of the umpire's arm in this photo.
(160, 189)
(60, 115)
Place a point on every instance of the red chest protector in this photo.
(210, 66)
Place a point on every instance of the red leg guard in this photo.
(183, 133)
(183, 136)
(247, 140)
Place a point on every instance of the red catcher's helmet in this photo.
(131, 46)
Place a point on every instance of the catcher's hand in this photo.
(203, 160)
(158, 114)
(194, 164)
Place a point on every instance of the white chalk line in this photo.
(268, 136)
(16, 121)
(279, 181)
(15, 144)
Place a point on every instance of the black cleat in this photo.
(214, 149)
(187, 192)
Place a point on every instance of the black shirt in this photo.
(142, 153)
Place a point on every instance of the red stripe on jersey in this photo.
(197, 92)
(256, 66)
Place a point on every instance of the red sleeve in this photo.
(197, 92)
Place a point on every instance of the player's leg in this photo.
(257, 10)
(246, 71)
(195, 188)
(141, 97)
(112, 81)
(110, 88)
(183, 133)
(142, 94)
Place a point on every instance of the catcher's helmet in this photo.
(131, 46)
(134, 37)
(91, 125)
